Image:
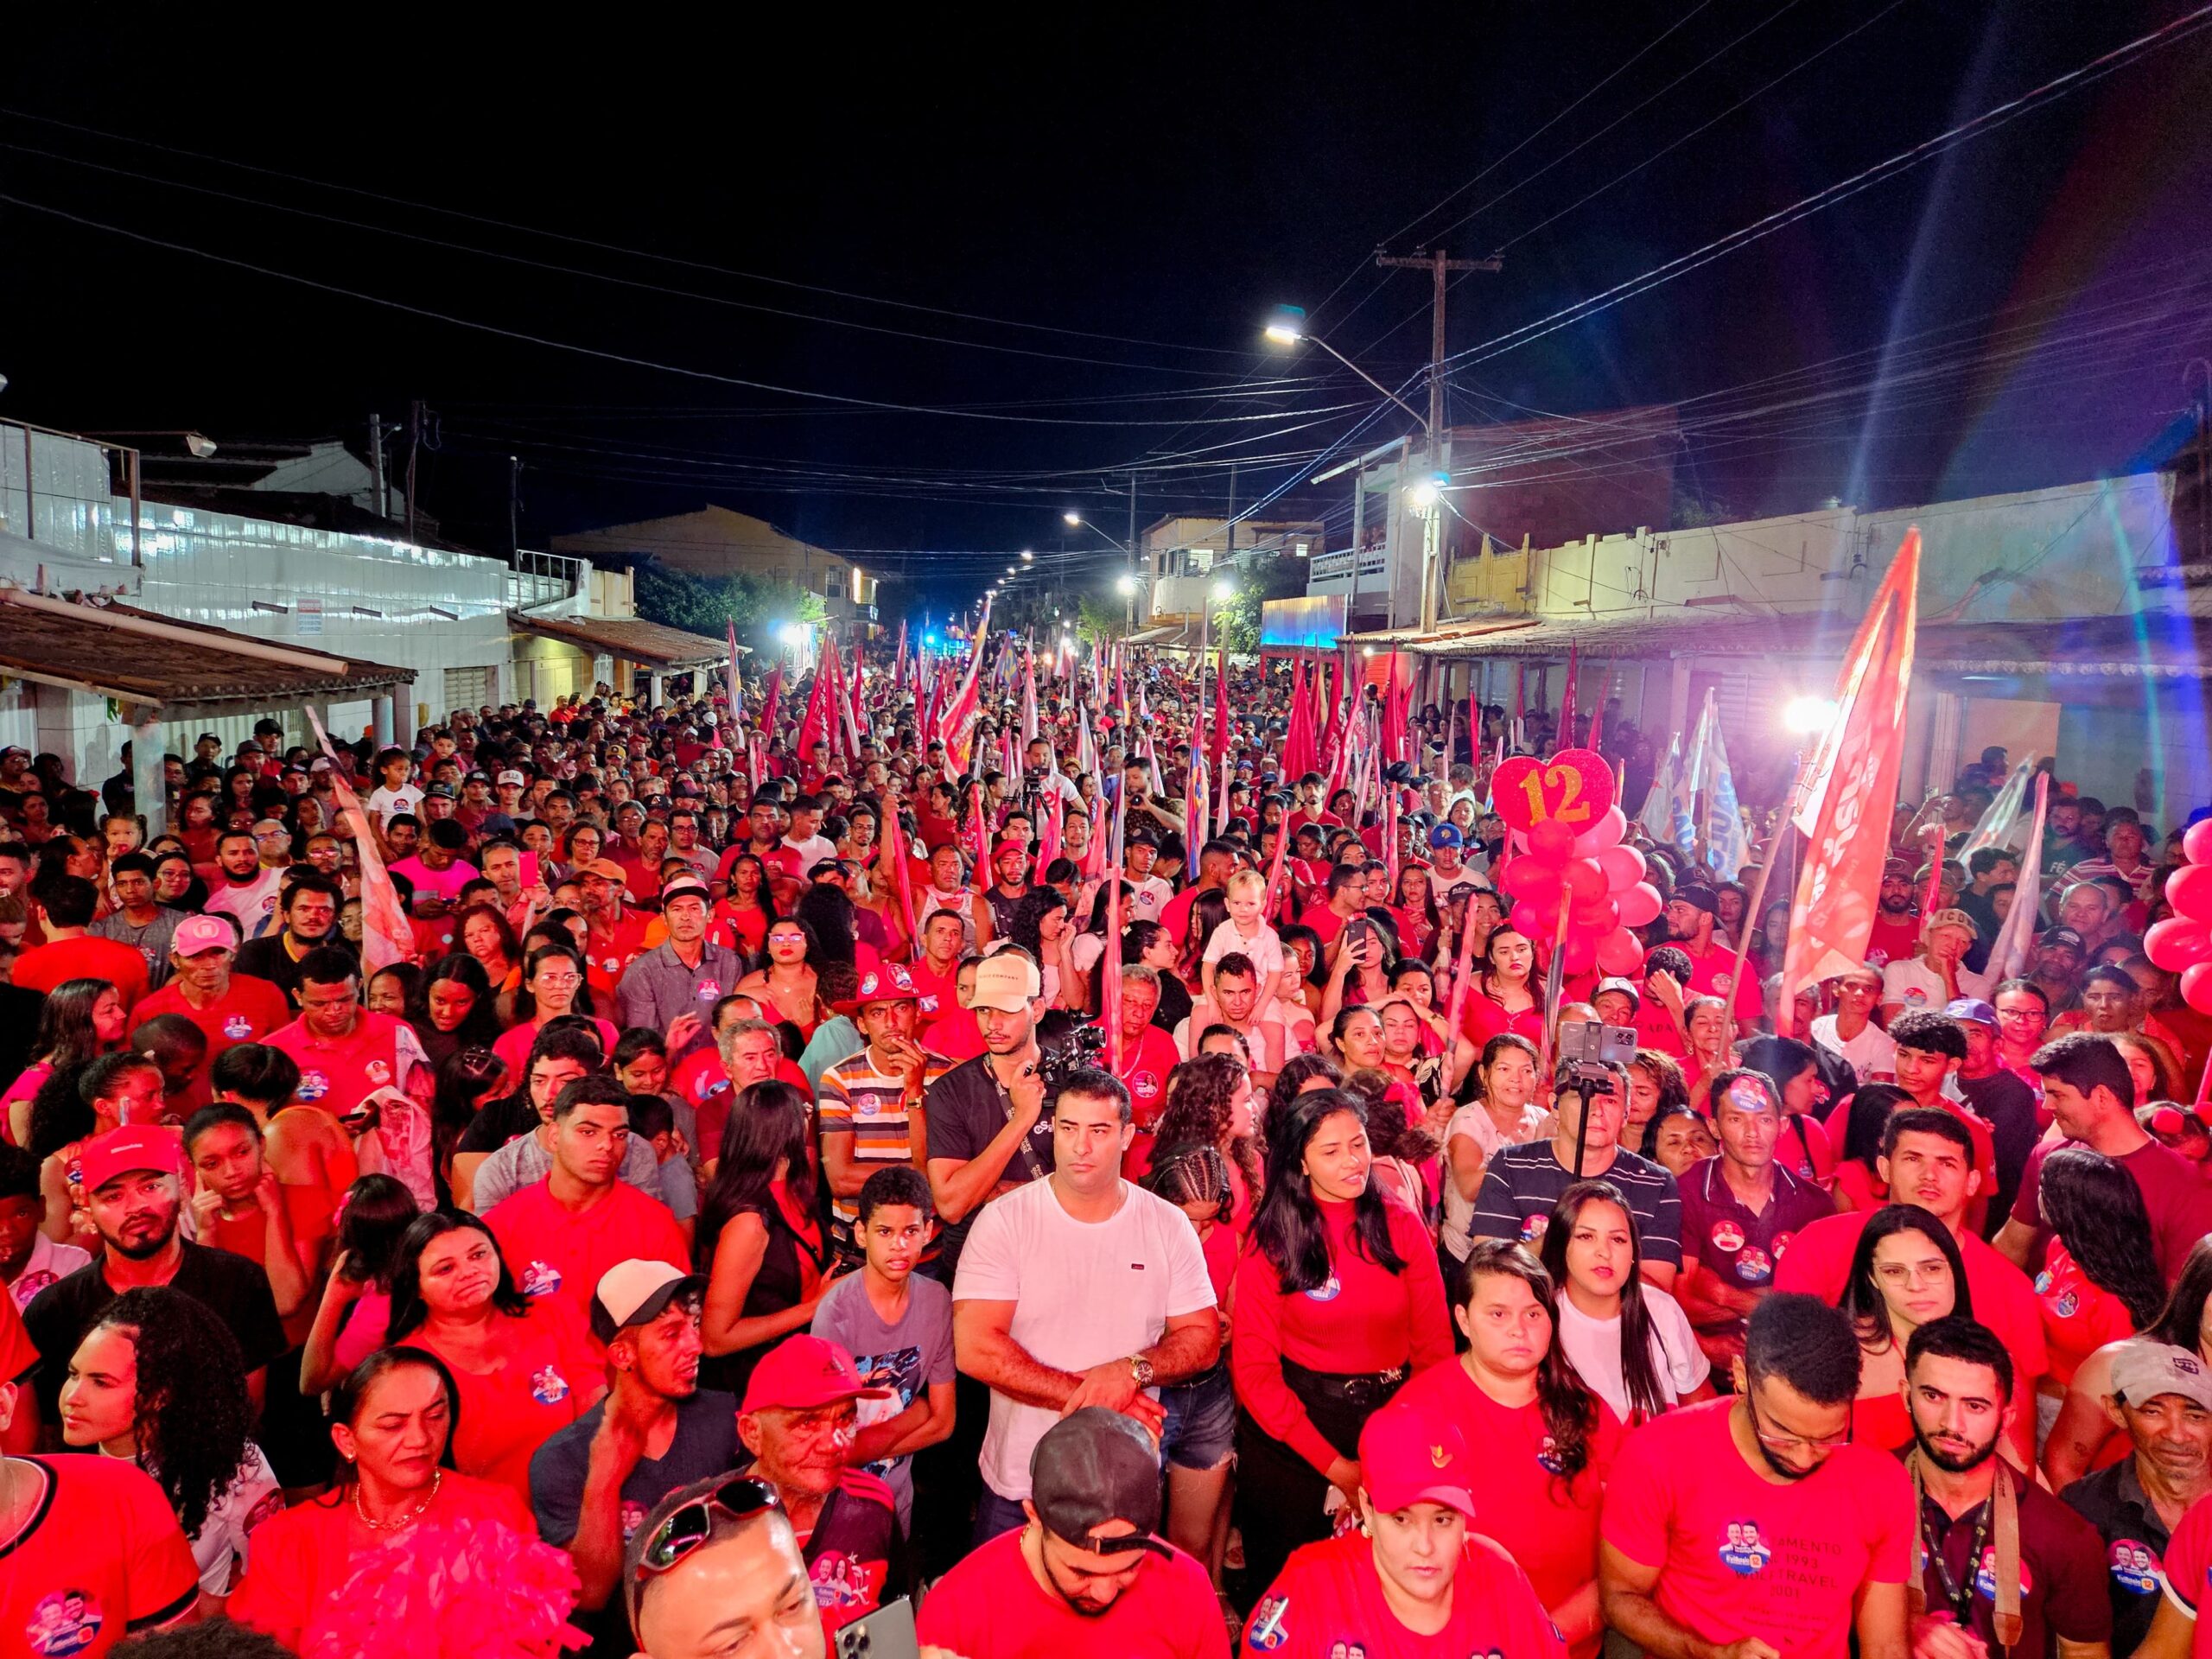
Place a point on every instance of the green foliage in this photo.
(1237, 625)
(708, 604)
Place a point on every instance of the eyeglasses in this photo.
(687, 1528)
(1787, 1443)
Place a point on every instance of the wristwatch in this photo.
(1141, 1369)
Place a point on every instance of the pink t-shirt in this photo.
(1743, 1556)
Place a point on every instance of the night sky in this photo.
(1139, 189)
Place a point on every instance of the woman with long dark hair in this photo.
(468, 1080)
(1507, 1111)
(354, 1316)
(452, 1008)
(1505, 997)
(1154, 945)
(2084, 1438)
(1043, 926)
(786, 981)
(1905, 1271)
(1211, 1103)
(81, 1019)
(742, 918)
(1630, 1342)
(161, 1381)
(553, 984)
(482, 930)
(2100, 1281)
(760, 1241)
(1338, 1300)
(1301, 1074)
(523, 1371)
(395, 1422)
(1548, 1442)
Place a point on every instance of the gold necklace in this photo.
(406, 1520)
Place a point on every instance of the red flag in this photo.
(959, 733)
(768, 703)
(1396, 692)
(1110, 960)
(1298, 741)
(899, 659)
(1853, 787)
(894, 849)
(1049, 833)
(736, 689)
(814, 724)
(1329, 701)
(1217, 746)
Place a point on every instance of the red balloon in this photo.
(2188, 890)
(1585, 881)
(1620, 952)
(1581, 955)
(1528, 874)
(1640, 906)
(1606, 832)
(1538, 920)
(1549, 838)
(2178, 943)
(2196, 988)
(1623, 868)
(1597, 917)
(2196, 841)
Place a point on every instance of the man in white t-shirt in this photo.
(248, 892)
(805, 838)
(1851, 1031)
(1149, 893)
(1078, 1290)
(1939, 975)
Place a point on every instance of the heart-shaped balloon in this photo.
(1574, 788)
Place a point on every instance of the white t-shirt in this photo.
(1084, 1293)
(811, 851)
(1593, 1346)
(250, 905)
(1870, 1053)
(1264, 951)
(250, 1499)
(386, 802)
(1148, 898)
(47, 1263)
(1920, 987)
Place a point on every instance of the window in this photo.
(466, 688)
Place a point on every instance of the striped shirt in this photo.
(856, 1099)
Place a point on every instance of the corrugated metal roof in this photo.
(632, 639)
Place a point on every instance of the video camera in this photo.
(1060, 1058)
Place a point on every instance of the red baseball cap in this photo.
(136, 1146)
(890, 982)
(1409, 1456)
(802, 1372)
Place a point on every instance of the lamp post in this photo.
(1285, 327)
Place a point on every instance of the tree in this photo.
(1237, 625)
(708, 604)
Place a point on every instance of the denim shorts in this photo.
(1201, 1429)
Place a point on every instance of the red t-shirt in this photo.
(1484, 1017)
(1144, 1066)
(312, 1211)
(90, 957)
(1740, 1555)
(2189, 1573)
(102, 1560)
(337, 1073)
(1891, 941)
(301, 1557)
(1977, 1131)
(515, 1043)
(549, 1374)
(956, 1037)
(556, 1254)
(938, 994)
(991, 1603)
(1329, 1603)
(1365, 1319)
(735, 929)
(1714, 974)
(703, 1081)
(1548, 1526)
(612, 950)
(2078, 1317)
(2175, 1195)
(247, 1012)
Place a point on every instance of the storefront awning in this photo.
(632, 640)
(178, 670)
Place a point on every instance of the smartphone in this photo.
(530, 876)
(1357, 934)
(887, 1633)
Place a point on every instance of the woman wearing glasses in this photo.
(786, 982)
(1906, 1272)
(392, 1421)
(552, 985)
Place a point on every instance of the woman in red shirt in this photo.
(553, 984)
(396, 1492)
(761, 1243)
(1414, 908)
(1712, 1039)
(1211, 1103)
(1338, 1300)
(1505, 996)
(2100, 1281)
(524, 1370)
(1906, 1272)
(741, 919)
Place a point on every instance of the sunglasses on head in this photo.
(689, 1526)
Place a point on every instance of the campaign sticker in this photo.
(378, 1072)
(540, 1279)
(1743, 1552)
(1985, 1578)
(65, 1622)
(1727, 1235)
(633, 1517)
(237, 1028)
(1145, 1085)
(2135, 1566)
(548, 1387)
(2069, 1304)
(709, 991)
(314, 1085)
(1532, 1228)
(272, 1503)
(1328, 1292)
(1754, 1266)
(1270, 1630)
(1548, 1457)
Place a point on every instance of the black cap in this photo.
(1698, 898)
(1092, 1467)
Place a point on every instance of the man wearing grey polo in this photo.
(684, 974)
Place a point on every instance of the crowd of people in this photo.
(1105, 1198)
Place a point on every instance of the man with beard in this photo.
(656, 1430)
(1752, 1526)
(1085, 1577)
(1690, 915)
(2060, 953)
(2001, 1561)
(1009, 887)
(132, 1178)
(799, 1421)
(1896, 935)
(2161, 1396)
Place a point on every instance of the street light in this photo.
(1806, 716)
(1223, 592)
(1071, 518)
(1027, 557)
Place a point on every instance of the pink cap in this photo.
(802, 1372)
(196, 935)
(136, 1146)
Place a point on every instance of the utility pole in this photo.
(1132, 545)
(414, 452)
(514, 504)
(1441, 267)
(377, 492)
